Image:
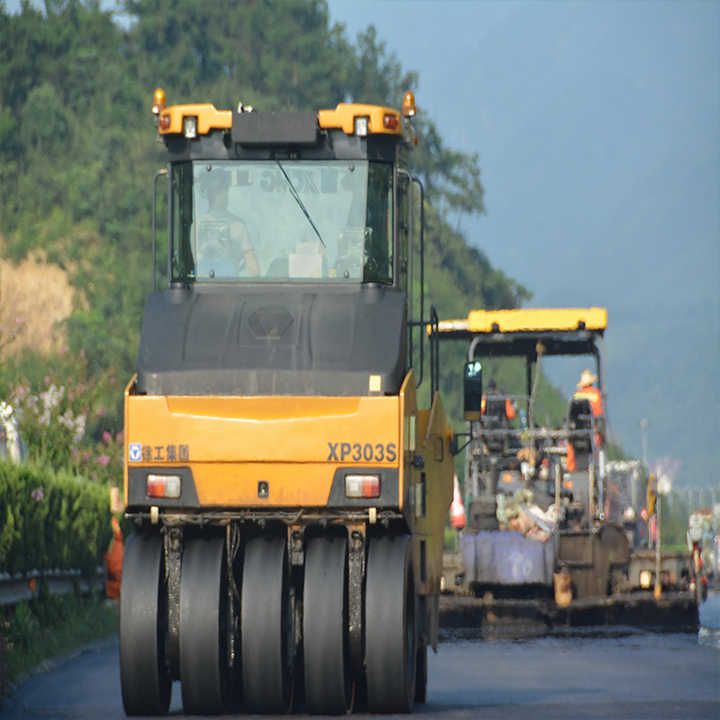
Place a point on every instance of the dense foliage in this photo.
(78, 151)
(51, 520)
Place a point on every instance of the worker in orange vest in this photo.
(586, 390)
(492, 390)
(114, 561)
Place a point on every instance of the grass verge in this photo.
(50, 626)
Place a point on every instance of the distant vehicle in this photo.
(538, 496)
(702, 543)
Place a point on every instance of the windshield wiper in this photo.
(299, 201)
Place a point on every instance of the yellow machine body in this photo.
(297, 445)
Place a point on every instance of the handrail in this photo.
(158, 174)
(434, 352)
(16, 588)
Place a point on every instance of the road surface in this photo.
(595, 674)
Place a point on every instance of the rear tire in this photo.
(328, 685)
(204, 627)
(390, 630)
(267, 627)
(144, 673)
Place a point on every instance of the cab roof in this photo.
(380, 120)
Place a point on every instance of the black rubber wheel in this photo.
(421, 675)
(144, 673)
(205, 670)
(266, 627)
(390, 632)
(328, 684)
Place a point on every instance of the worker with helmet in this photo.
(223, 245)
(587, 391)
(493, 397)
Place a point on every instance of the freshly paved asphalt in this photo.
(597, 674)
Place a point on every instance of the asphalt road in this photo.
(596, 674)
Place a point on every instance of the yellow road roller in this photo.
(288, 492)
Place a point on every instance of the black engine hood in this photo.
(272, 340)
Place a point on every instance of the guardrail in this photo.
(16, 589)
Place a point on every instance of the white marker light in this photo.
(362, 486)
(190, 127)
(361, 126)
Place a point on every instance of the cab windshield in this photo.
(282, 221)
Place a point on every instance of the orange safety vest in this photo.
(594, 396)
(509, 408)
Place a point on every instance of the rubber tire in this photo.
(390, 630)
(421, 675)
(328, 684)
(204, 671)
(266, 627)
(144, 674)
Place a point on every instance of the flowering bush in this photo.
(65, 424)
(51, 422)
(102, 462)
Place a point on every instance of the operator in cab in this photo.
(224, 249)
(586, 390)
(495, 403)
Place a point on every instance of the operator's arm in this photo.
(245, 250)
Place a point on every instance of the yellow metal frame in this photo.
(528, 320)
(234, 442)
(343, 117)
(208, 118)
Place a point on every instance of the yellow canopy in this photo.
(528, 320)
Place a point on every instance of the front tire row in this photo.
(257, 635)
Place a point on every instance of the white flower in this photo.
(6, 410)
(79, 428)
(67, 420)
(52, 396)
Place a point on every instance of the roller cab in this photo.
(289, 491)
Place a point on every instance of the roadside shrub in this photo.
(51, 520)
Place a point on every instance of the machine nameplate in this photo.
(366, 452)
(138, 452)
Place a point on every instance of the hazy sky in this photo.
(585, 115)
(597, 126)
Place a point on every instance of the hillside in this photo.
(78, 149)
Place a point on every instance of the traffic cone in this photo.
(457, 509)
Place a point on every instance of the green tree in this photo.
(77, 147)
